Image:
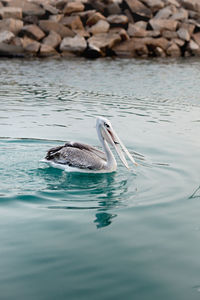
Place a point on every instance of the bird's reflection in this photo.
(103, 219)
(100, 192)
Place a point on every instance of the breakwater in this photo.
(123, 28)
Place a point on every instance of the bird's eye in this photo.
(106, 125)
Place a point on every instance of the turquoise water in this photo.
(126, 235)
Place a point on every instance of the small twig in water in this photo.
(193, 195)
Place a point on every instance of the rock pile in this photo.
(94, 28)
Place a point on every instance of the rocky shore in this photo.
(96, 28)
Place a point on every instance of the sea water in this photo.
(131, 234)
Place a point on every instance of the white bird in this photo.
(78, 157)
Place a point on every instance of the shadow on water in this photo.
(78, 191)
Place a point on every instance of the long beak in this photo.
(119, 146)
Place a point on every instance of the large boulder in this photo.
(74, 22)
(180, 15)
(72, 7)
(46, 51)
(50, 9)
(53, 39)
(163, 24)
(94, 18)
(33, 31)
(191, 4)
(11, 12)
(116, 20)
(100, 27)
(193, 48)
(75, 44)
(28, 8)
(48, 26)
(173, 50)
(32, 48)
(113, 9)
(183, 34)
(196, 37)
(6, 36)
(139, 9)
(154, 4)
(135, 47)
(164, 13)
(103, 42)
(8, 50)
(13, 25)
(136, 31)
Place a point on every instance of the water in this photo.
(130, 234)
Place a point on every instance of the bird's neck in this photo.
(111, 163)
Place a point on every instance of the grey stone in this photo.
(75, 44)
(6, 36)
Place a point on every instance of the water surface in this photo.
(130, 234)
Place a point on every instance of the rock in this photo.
(98, 5)
(141, 24)
(153, 43)
(11, 12)
(121, 31)
(74, 22)
(28, 8)
(56, 18)
(163, 24)
(113, 9)
(76, 44)
(50, 9)
(139, 8)
(189, 27)
(159, 52)
(72, 7)
(6, 36)
(48, 26)
(179, 42)
(154, 4)
(191, 4)
(117, 20)
(173, 50)
(13, 25)
(164, 13)
(33, 31)
(82, 33)
(60, 4)
(84, 15)
(129, 15)
(172, 2)
(169, 34)
(94, 18)
(53, 39)
(180, 15)
(193, 48)
(46, 51)
(16, 41)
(32, 48)
(30, 20)
(131, 48)
(100, 27)
(103, 42)
(183, 34)
(8, 50)
(136, 31)
(196, 37)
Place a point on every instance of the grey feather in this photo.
(77, 155)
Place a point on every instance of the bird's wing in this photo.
(77, 155)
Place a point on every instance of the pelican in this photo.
(78, 157)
